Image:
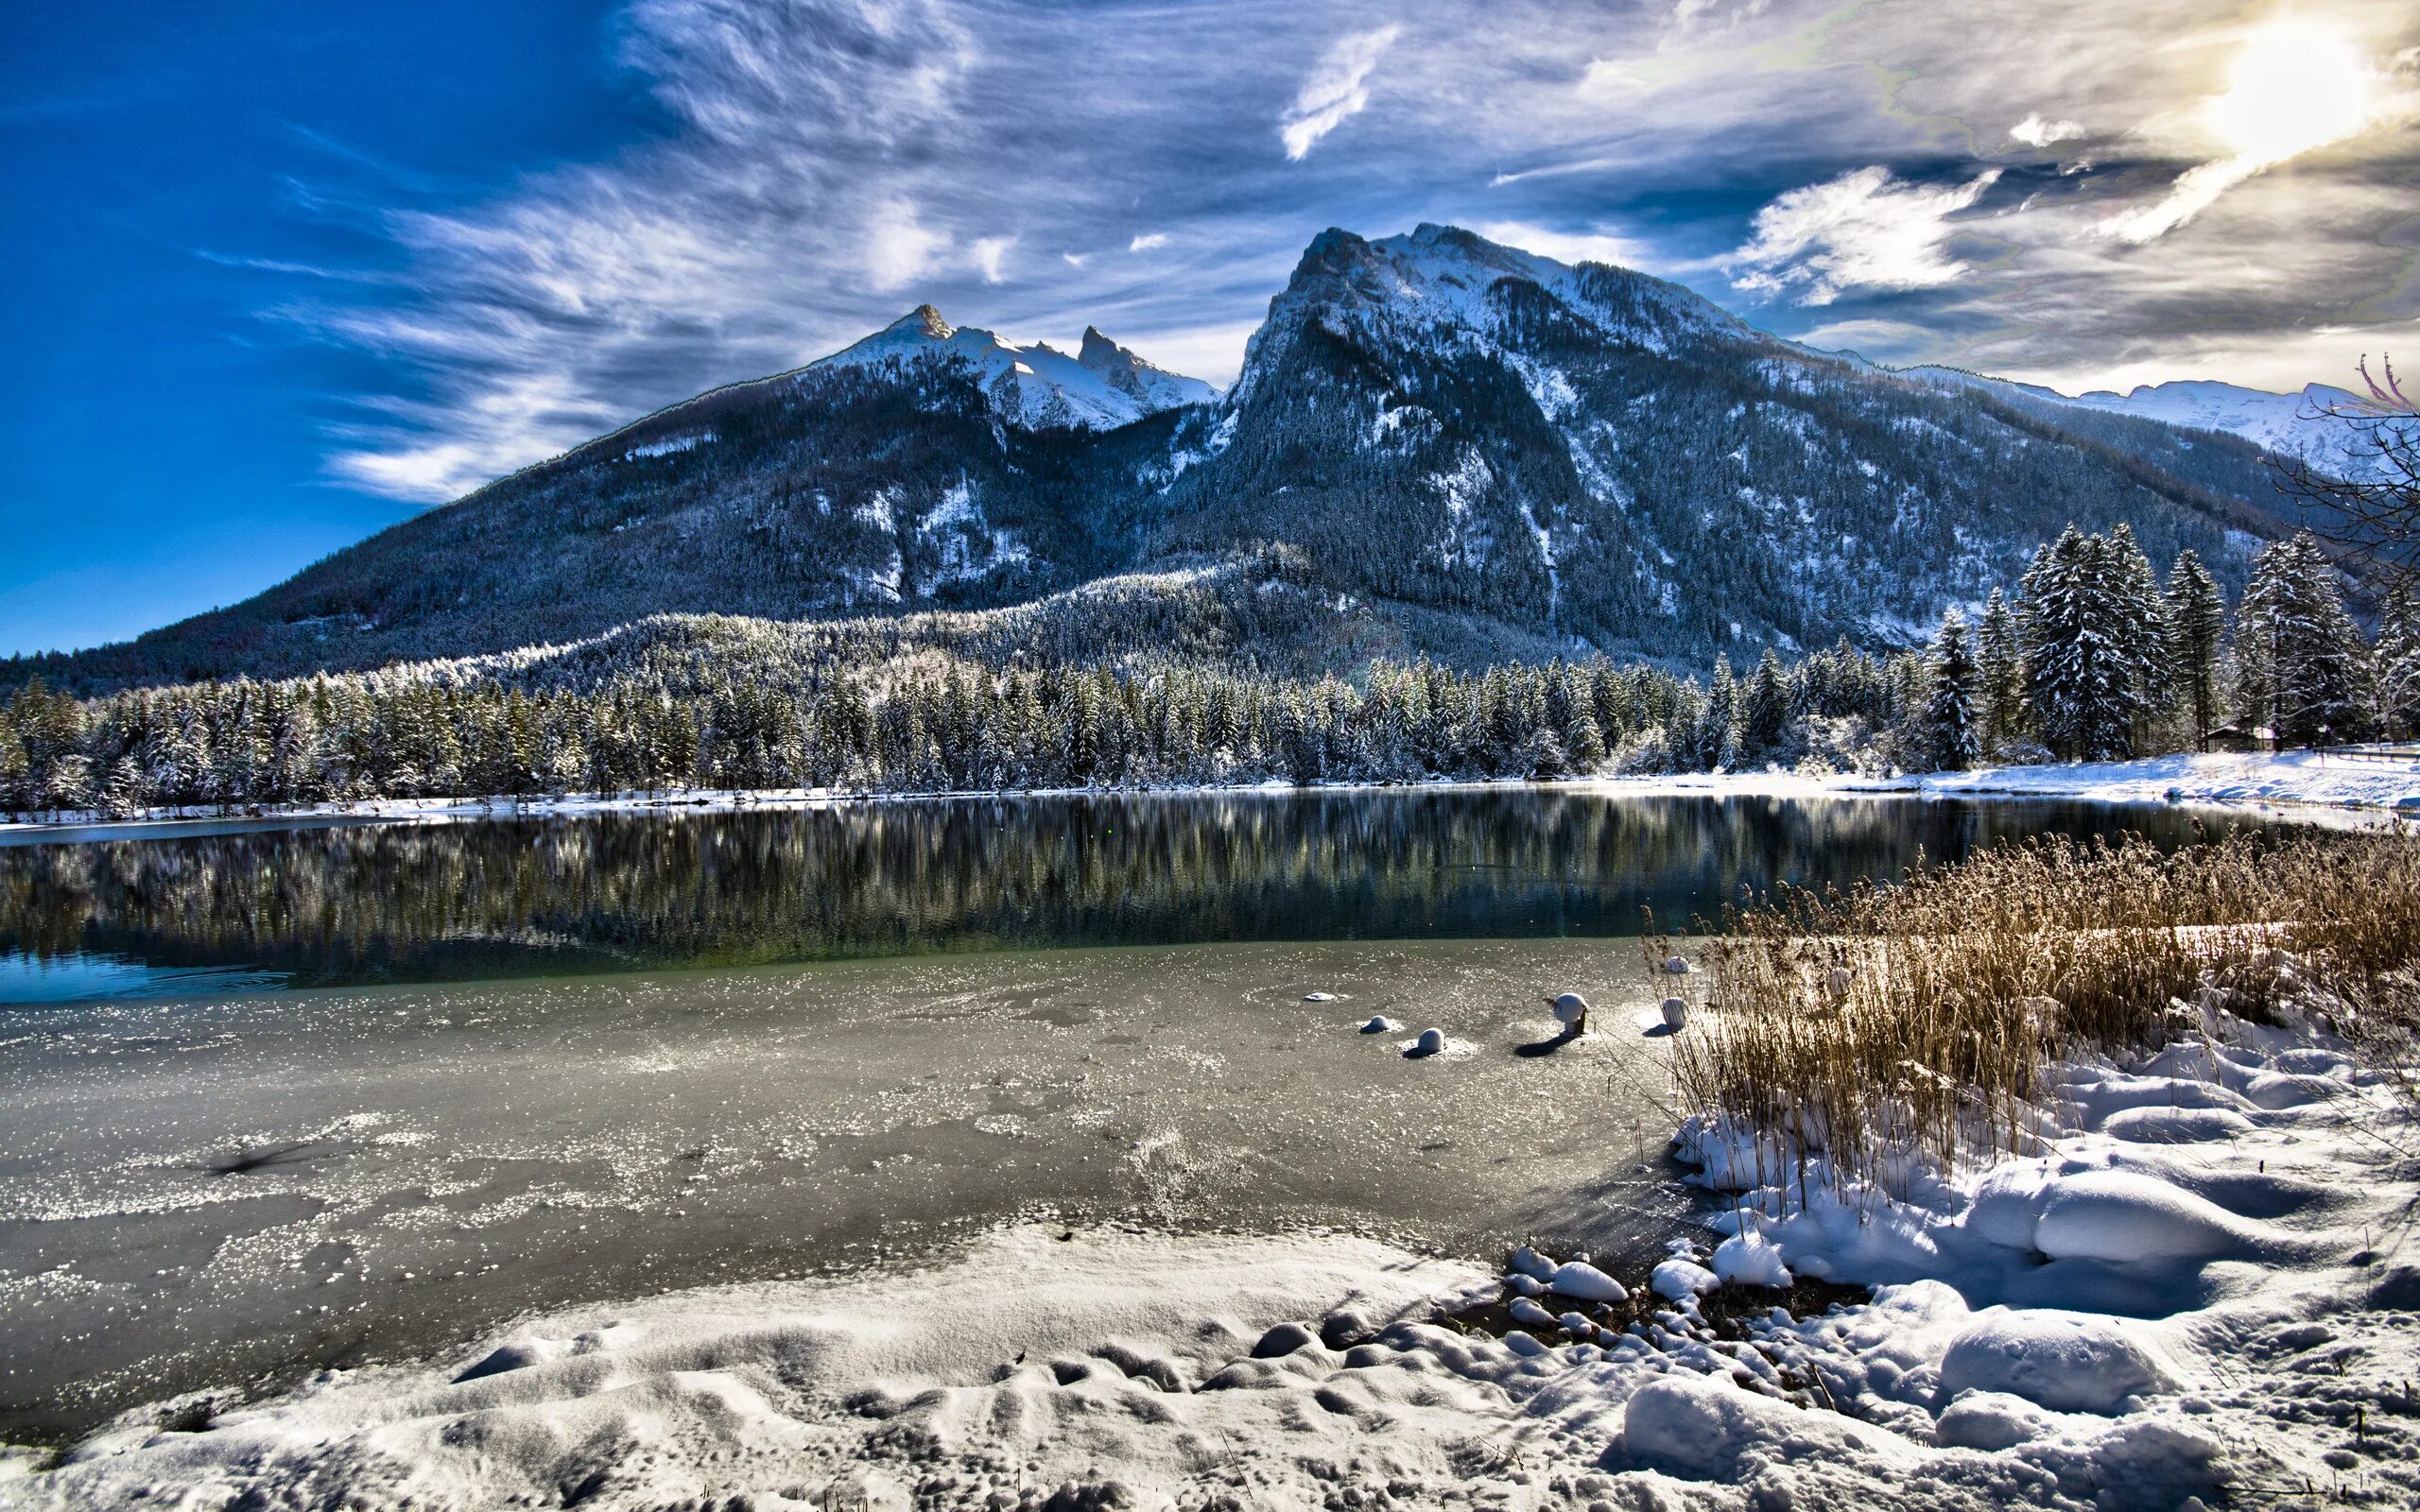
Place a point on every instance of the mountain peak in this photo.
(922, 321)
(1039, 386)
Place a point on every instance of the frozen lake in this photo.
(280, 1100)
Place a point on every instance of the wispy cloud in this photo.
(2295, 88)
(826, 162)
(1866, 228)
(1336, 90)
(1569, 247)
(988, 253)
(899, 247)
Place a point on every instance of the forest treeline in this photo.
(2093, 657)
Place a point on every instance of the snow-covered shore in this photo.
(2372, 784)
(2205, 1287)
(2377, 784)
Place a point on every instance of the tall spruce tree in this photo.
(2142, 620)
(2000, 662)
(2083, 675)
(2302, 668)
(2397, 660)
(2197, 624)
(1764, 711)
(1950, 734)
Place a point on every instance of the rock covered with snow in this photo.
(1526, 1311)
(1702, 1430)
(1680, 1278)
(1577, 1278)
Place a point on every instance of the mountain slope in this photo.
(1602, 455)
(1549, 455)
(925, 464)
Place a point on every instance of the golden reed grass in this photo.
(1918, 1022)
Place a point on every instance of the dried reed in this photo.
(1894, 1027)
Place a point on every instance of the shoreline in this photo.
(2363, 789)
(1144, 1366)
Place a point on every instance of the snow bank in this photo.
(2331, 780)
(2341, 779)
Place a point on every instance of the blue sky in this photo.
(286, 273)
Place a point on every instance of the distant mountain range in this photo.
(2297, 424)
(1481, 447)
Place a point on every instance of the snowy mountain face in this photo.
(1039, 386)
(1603, 456)
(1487, 444)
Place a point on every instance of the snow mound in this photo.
(2068, 1362)
(1992, 1421)
(1702, 1430)
(1751, 1260)
(2131, 1218)
(2177, 1125)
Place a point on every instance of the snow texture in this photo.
(2110, 1323)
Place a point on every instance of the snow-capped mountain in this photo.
(1101, 388)
(1601, 455)
(2303, 424)
(1481, 447)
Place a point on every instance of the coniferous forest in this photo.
(2092, 656)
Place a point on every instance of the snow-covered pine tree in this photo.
(2142, 620)
(2397, 660)
(1949, 733)
(1764, 712)
(2197, 624)
(2083, 680)
(2000, 662)
(2303, 670)
(1719, 724)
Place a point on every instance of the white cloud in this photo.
(2295, 86)
(2036, 133)
(1213, 353)
(1609, 76)
(1145, 243)
(1866, 228)
(1074, 259)
(898, 247)
(987, 252)
(1336, 90)
(1566, 246)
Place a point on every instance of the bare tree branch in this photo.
(2368, 504)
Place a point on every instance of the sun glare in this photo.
(2295, 86)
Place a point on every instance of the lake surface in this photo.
(349, 905)
(286, 1100)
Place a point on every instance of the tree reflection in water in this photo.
(512, 897)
